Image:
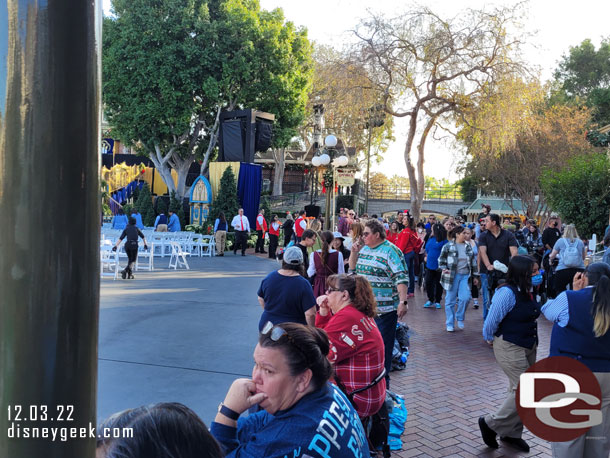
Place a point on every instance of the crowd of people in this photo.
(329, 317)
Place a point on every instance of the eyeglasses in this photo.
(351, 214)
(276, 332)
(366, 234)
(330, 289)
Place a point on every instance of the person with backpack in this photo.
(571, 251)
(323, 263)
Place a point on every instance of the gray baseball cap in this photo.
(293, 255)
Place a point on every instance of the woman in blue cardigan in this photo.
(582, 332)
(511, 328)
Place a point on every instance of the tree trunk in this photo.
(182, 168)
(279, 157)
(407, 155)
(162, 165)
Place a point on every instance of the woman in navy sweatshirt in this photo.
(304, 415)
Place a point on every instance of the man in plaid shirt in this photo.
(383, 265)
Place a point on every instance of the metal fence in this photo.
(384, 192)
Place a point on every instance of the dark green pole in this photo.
(49, 242)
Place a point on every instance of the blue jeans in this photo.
(409, 259)
(460, 293)
(386, 324)
(485, 291)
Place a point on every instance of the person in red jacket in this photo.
(410, 244)
(274, 236)
(261, 229)
(300, 225)
(347, 314)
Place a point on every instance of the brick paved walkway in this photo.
(450, 380)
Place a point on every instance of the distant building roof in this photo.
(498, 205)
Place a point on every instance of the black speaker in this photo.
(313, 210)
(264, 134)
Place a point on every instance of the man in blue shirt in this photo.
(174, 222)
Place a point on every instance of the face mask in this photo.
(537, 279)
(420, 230)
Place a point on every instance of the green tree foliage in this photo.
(226, 200)
(145, 206)
(266, 205)
(468, 187)
(175, 205)
(584, 76)
(580, 192)
(515, 133)
(171, 66)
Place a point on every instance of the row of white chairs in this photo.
(110, 261)
(160, 242)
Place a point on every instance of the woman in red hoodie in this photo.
(410, 244)
(347, 314)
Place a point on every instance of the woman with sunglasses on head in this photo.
(511, 328)
(304, 414)
(582, 332)
(347, 314)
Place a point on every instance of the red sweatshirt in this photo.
(357, 352)
(408, 241)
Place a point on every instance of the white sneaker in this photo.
(450, 329)
(461, 324)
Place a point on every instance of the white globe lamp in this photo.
(315, 161)
(324, 159)
(342, 161)
(330, 141)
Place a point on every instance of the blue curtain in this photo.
(249, 187)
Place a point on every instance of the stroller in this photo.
(547, 290)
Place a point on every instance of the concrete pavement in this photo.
(179, 335)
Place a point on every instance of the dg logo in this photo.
(559, 399)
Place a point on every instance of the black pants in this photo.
(260, 242)
(241, 240)
(131, 250)
(273, 242)
(287, 237)
(563, 278)
(433, 286)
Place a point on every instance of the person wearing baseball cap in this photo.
(285, 295)
(337, 244)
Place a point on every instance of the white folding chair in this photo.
(109, 260)
(146, 254)
(178, 257)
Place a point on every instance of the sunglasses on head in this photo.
(275, 333)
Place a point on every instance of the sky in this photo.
(557, 25)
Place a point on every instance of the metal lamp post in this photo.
(376, 119)
(324, 160)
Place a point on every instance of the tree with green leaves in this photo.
(226, 200)
(584, 77)
(580, 192)
(514, 134)
(171, 67)
(144, 205)
(427, 69)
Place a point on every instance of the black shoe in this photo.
(488, 434)
(263, 252)
(475, 306)
(517, 443)
(131, 277)
(123, 274)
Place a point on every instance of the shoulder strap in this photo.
(349, 395)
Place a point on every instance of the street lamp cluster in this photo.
(328, 158)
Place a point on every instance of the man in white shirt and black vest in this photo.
(242, 229)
